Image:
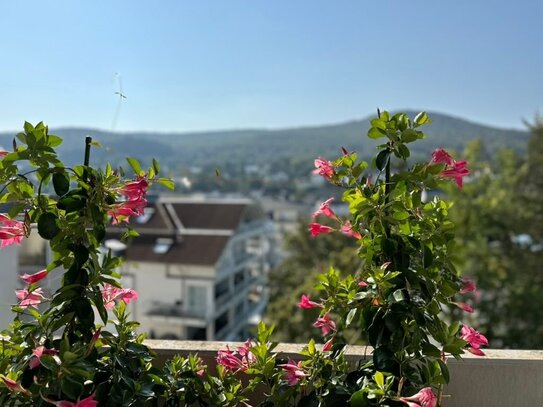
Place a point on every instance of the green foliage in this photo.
(499, 225)
(80, 357)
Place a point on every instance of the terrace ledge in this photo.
(503, 378)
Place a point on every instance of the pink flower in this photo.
(3, 153)
(87, 402)
(121, 212)
(229, 360)
(318, 229)
(325, 210)
(464, 307)
(440, 156)
(12, 385)
(136, 189)
(474, 338)
(468, 286)
(324, 168)
(34, 278)
(38, 353)
(248, 357)
(293, 371)
(453, 169)
(362, 284)
(30, 299)
(425, 397)
(457, 172)
(306, 303)
(347, 229)
(327, 347)
(325, 324)
(11, 231)
(111, 293)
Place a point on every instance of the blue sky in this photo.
(197, 65)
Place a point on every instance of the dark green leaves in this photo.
(48, 226)
(61, 183)
(382, 159)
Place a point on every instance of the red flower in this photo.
(3, 153)
(11, 231)
(457, 172)
(136, 189)
(229, 360)
(87, 402)
(347, 229)
(34, 278)
(318, 229)
(475, 339)
(30, 299)
(111, 293)
(294, 372)
(12, 385)
(325, 324)
(468, 286)
(306, 303)
(324, 168)
(325, 210)
(327, 347)
(440, 156)
(122, 212)
(464, 307)
(453, 169)
(425, 397)
(38, 353)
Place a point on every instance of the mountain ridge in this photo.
(250, 146)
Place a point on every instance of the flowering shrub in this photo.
(55, 353)
(408, 283)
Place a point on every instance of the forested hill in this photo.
(218, 148)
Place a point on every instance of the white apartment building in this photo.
(200, 267)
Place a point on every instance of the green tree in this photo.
(297, 275)
(499, 225)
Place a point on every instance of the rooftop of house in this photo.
(187, 230)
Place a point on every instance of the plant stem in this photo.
(88, 141)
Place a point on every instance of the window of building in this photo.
(162, 245)
(147, 214)
(197, 299)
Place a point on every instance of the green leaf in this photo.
(398, 295)
(49, 362)
(380, 124)
(444, 370)
(54, 141)
(61, 183)
(358, 399)
(410, 135)
(376, 132)
(403, 151)
(379, 379)
(156, 166)
(430, 350)
(422, 118)
(350, 316)
(28, 127)
(135, 165)
(381, 159)
(168, 183)
(47, 225)
(72, 203)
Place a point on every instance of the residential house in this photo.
(200, 267)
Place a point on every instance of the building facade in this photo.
(200, 267)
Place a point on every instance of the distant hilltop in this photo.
(254, 146)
